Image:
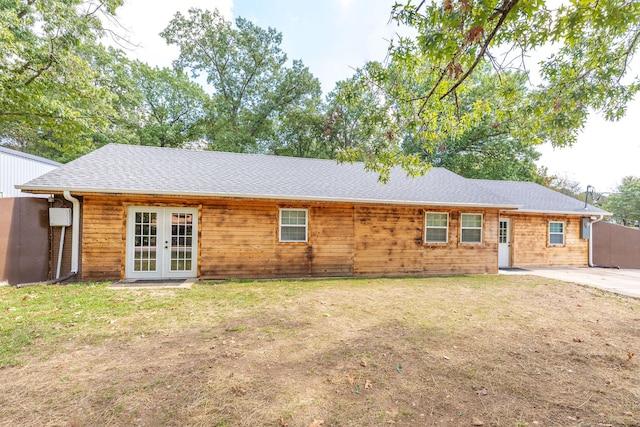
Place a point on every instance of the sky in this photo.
(334, 37)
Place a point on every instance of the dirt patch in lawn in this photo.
(488, 350)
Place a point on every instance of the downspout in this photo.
(591, 222)
(75, 232)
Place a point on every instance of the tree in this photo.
(48, 95)
(490, 146)
(368, 121)
(172, 106)
(299, 132)
(252, 86)
(625, 202)
(591, 44)
(363, 124)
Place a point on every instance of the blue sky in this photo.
(333, 37)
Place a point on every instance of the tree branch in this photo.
(503, 12)
(48, 65)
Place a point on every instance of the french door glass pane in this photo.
(181, 239)
(146, 231)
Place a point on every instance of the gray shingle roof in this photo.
(535, 198)
(132, 169)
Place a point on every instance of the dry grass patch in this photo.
(501, 350)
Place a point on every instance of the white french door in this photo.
(162, 242)
(504, 243)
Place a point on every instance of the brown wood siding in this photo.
(239, 239)
(332, 240)
(530, 242)
(102, 249)
(388, 241)
(465, 258)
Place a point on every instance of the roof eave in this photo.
(573, 213)
(31, 157)
(49, 190)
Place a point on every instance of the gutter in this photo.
(572, 213)
(75, 232)
(120, 191)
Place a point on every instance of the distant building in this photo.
(18, 168)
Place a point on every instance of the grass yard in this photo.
(455, 351)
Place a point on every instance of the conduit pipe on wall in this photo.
(591, 222)
(75, 232)
(62, 233)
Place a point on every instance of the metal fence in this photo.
(616, 246)
(24, 240)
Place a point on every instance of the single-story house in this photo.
(151, 213)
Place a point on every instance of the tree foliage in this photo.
(48, 94)
(368, 121)
(172, 107)
(624, 204)
(591, 44)
(253, 88)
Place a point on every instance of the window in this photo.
(437, 227)
(293, 225)
(503, 232)
(556, 233)
(471, 228)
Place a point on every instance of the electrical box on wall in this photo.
(59, 217)
(585, 227)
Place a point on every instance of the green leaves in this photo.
(590, 44)
(47, 94)
(252, 88)
(625, 203)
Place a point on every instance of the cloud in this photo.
(142, 21)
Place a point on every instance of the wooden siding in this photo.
(239, 239)
(465, 258)
(103, 238)
(530, 242)
(388, 240)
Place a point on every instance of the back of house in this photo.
(157, 213)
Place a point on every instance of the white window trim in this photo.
(306, 225)
(564, 231)
(445, 227)
(472, 228)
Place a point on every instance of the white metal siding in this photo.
(15, 170)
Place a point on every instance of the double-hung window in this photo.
(556, 233)
(293, 225)
(436, 227)
(470, 228)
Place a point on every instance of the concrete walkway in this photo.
(620, 281)
(155, 284)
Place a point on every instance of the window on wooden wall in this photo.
(556, 233)
(436, 227)
(470, 228)
(293, 225)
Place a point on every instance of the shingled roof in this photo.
(131, 169)
(535, 198)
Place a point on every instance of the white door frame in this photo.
(504, 243)
(161, 244)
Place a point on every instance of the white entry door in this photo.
(161, 242)
(504, 243)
